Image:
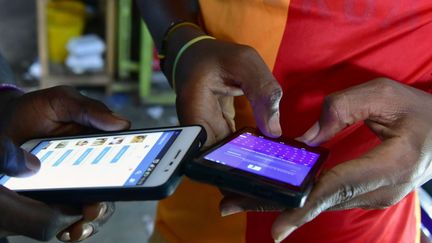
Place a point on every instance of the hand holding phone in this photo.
(57, 111)
(280, 170)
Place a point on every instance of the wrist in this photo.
(177, 40)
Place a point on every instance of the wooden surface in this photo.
(42, 39)
(79, 80)
(105, 78)
(110, 30)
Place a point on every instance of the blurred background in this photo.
(102, 48)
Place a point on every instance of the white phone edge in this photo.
(168, 164)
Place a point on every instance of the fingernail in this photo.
(284, 234)
(102, 210)
(310, 134)
(86, 232)
(65, 236)
(274, 125)
(120, 117)
(121, 120)
(32, 163)
(230, 210)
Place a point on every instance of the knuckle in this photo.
(244, 51)
(63, 89)
(336, 106)
(332, 101)
(248, 57)
(318, 206)
(385, 86)
(345, 191)
(274, 95)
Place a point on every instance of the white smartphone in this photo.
(119, 166)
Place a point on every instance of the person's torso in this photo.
(314, 47)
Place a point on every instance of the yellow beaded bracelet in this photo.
(180, 53)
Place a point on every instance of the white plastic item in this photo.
(155, 112)
(35, 70)
(81, 64)
(86, 45)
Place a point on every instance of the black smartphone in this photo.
(281, 170)
(116, 166)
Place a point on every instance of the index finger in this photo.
(263, 92)
(70, 106)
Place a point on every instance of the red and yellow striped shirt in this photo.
(314, 47)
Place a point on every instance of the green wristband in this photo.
(180, 53)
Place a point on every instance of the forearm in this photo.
(159, 15)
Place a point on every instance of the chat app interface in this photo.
(266, 158)
(108, 161)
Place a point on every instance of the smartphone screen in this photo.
(263, 157)
(104, 161)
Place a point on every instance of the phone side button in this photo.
(177, 154)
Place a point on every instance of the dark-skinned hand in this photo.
(210, 73)
(401, 116)
(58, 111)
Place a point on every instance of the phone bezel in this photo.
(252, 178)
(161, 182)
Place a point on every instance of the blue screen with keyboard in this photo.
(274, 160)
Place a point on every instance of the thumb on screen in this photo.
(15, 161)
